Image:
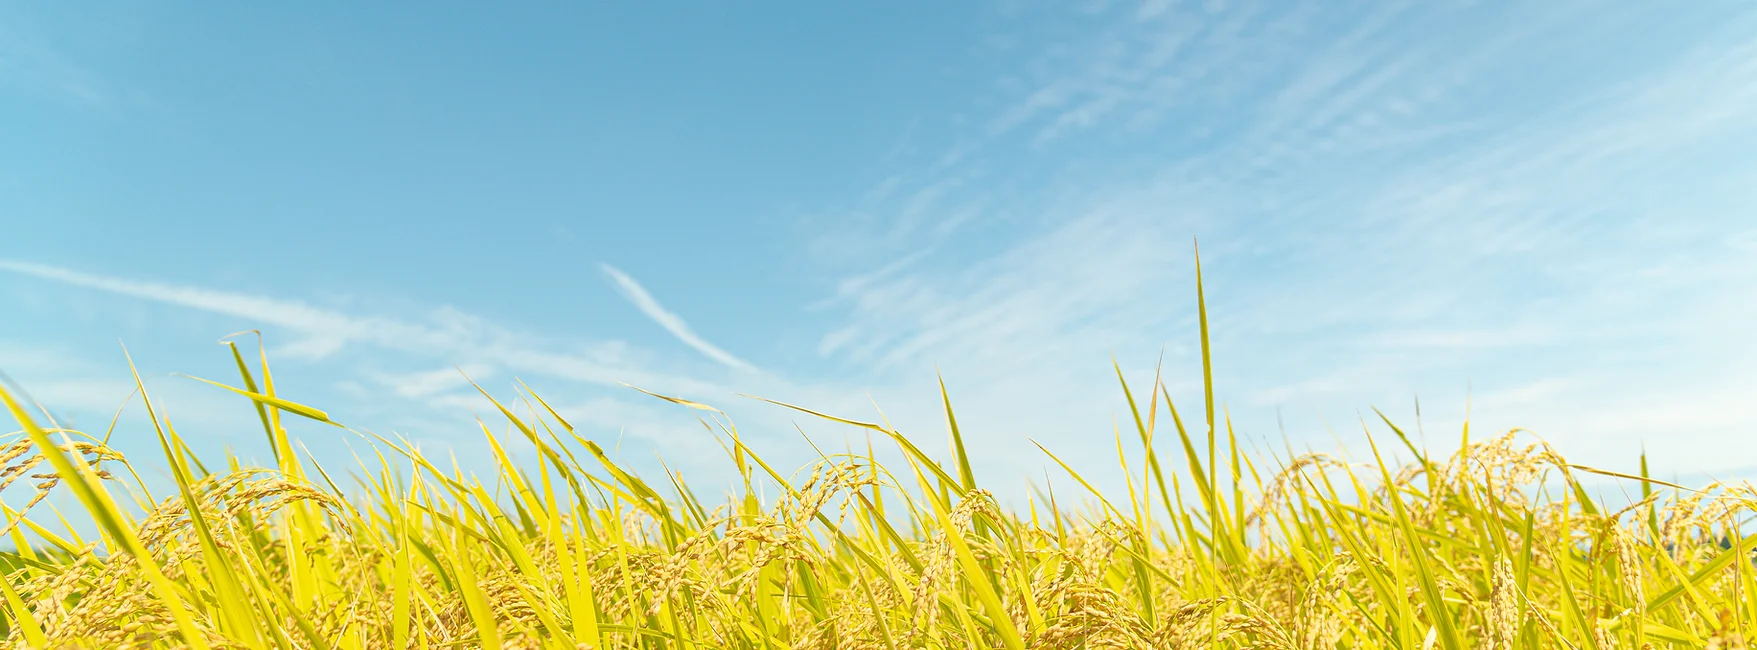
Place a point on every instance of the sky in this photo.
(1540, 215)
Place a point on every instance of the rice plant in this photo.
(1497, 545)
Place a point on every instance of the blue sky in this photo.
(1544, 211)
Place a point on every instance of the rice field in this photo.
(1496, 546)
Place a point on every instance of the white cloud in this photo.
(1367, 237)
(311, 348)
(451, 335)
(432, 402)
(644, 301)
(426, 383)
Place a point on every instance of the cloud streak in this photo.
(451, 335)
(674, 324)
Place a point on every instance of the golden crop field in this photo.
(1495, 546)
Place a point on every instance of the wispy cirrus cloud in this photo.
(670, 321)
(1382, 216)
(448, 334)
(362, 373)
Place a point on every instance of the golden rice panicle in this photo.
(1503, 614)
